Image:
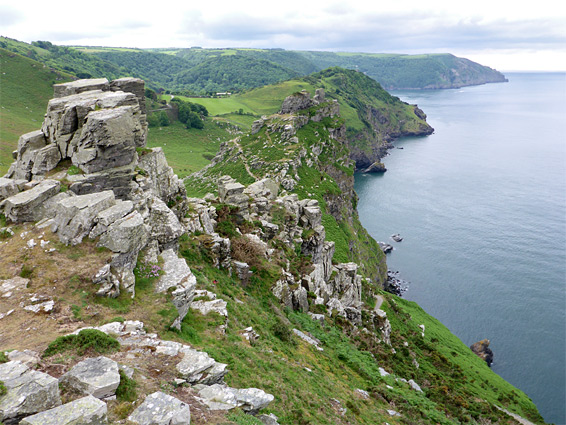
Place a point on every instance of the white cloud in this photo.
(481, 28)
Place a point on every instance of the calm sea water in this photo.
(481, 205)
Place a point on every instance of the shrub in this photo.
(126, 391)
(85, 340)
(281, 331)
(3, 357)
(3, 389)
(247, 251)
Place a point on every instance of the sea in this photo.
(481, 207)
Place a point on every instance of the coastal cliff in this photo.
(128, 299)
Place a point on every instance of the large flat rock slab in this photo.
(98, 376)
(85, 411)
(28, 392)
(161, 409)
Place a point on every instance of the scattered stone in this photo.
(14, 284)
(308, 339)
(397, 237)
(222, 397)
(385, 247)
(43, 307)
(161, 409)
(85, 411)
(28, 392)
(28, 357)
(270, 419)
(362, 393)
(98, 376)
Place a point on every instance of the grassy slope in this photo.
(25, 88)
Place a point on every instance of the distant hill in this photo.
(198, 71)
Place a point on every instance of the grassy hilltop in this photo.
(310, 386)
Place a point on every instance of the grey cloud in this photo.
(336, 30)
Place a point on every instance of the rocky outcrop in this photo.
(118, 191)
(482, 350)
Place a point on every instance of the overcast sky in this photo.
(505, 35)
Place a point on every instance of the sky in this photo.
(503, 34)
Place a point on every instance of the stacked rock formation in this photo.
(87, 173)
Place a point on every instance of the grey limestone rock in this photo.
(96, 376)
(26, 205)
(164, 182)
(222, 397)
(179, 276)
(108, 139)
(28, 145)
(108, 216)
(85, 411)
(197, 366)
(28, 392)
(10, 187)
(74, 216)
(46, 159)
(265, 188)
(165, 226)
(126, 235)
(28, 357)
(161, 409)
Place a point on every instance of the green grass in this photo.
(25, 89)
(187, 150)
(126, 390)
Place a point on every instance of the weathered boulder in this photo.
(66, 116)
(75, 216)
(28, 392)
(46, 159)
(85, 411)
(96, 376)
(297, 102)
(27, 205)
(179, 276)
(265, 188)
(161, 409)
(28, 145)
(28, 357)
(199, 367)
